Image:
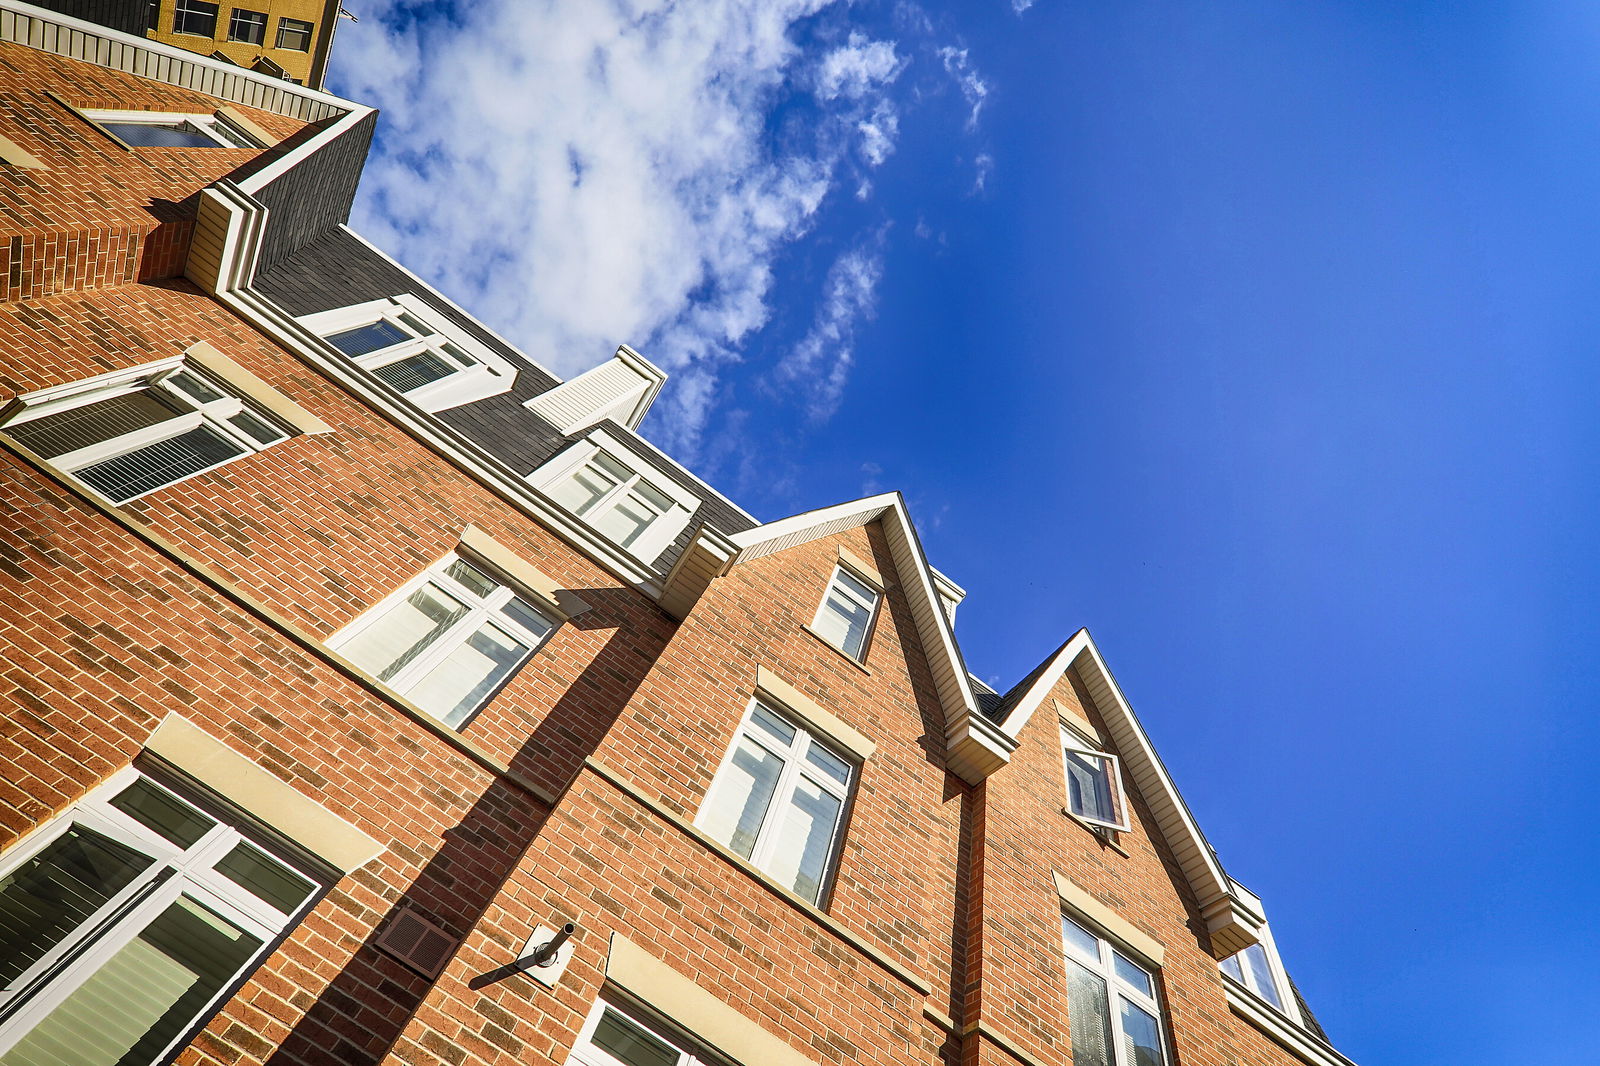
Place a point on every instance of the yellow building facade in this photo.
(290, 38)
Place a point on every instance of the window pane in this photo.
(844, 621)
(738, 805)
(1133, 973)
(805, 837)
(166, 814)
(142, 997)
(527, 616)
(247, 26)
(160, 135)
(1088, 1017)
(583, 489)
(196, 17)
(414, 371)
(474, 579)
(1230, 966)
(294, 34)
(626, 1042)
(1080, 941)
(194, 388)
(48, 896)
(1089, 787)
(149, 468)
(93, 423)
(469, 674)
(264, 877)
(373, 337)
(851, 584)
(1141, 1037)
(1255, 956)
(258, 430)
(627, 520)
(389, 644)
(772, 725)
(829, 763)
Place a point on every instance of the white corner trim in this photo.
(1081, 901)
(198, 755)
(1292, 1038)
(813, 715)
(476, 542)
(247, 386)
(711, 1021)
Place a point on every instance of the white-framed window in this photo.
(779, 800)
(415, 350)
(849, 608)
(1094, 783)
(448, 639)
(172, 129)
(612, 1036)
(629, 503)
(134, 431)
(1112, 1011)
(126, 920)
(1259, 968)
(196, 18)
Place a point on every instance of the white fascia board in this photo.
(1299, 1043)
(650, 372)
(1232, 921)
(168, 51)
(975, 747)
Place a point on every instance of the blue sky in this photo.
(1257, 338)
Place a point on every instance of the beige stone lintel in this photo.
(13, 153)
(861, 566)
(1072, 718)
(247, 386)
(640, 974)
(1079, 899)
(248, 124)
(521, 572)
(813, 715)
(188, 748)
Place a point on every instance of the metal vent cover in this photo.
(417, 942)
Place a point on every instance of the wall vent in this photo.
(417, 942)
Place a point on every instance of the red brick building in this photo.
(346, 654)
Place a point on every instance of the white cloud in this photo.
(1019, 6)
(585, 174)
(973, 88)
(982, 167)
(820, 364)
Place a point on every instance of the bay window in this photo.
(124, 923)
(779, 801)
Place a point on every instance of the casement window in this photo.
(1260, 969)
(448, 640)
(125, 922)
(163, 129)
(614, 1037)
(132, 432)
(195, 17)
(248, 27)
(1094, 783)
(1112, 1011)
(629, 503)
(413, 349)
(294, 34)
(847, 613)
(779, 801)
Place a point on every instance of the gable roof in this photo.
(975, 747)
(1231, 920)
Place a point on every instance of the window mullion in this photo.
(440, 648)
(782, 795)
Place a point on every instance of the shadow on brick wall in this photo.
(361, 1014)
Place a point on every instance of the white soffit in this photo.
(1231, 918)
(974, 746)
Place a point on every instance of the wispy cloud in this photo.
(1019, 6)
(958, 64)
(584, 174)
(819, 366)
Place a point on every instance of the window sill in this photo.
(852, 660)
(1104, 834)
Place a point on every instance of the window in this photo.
(629, 503)
(247, 26)
(448, 640)
(131, 433)
(411, 348)
(195, 17)
(847, 612)
(1260, 969)
(1111, 1003)
(1094, 786)
(125, 921)
(779, 801)
(294, 34)
(159, 129)
(613, 1038)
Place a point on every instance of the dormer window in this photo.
(1260, 969)
(622, 498)
(415, 350)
